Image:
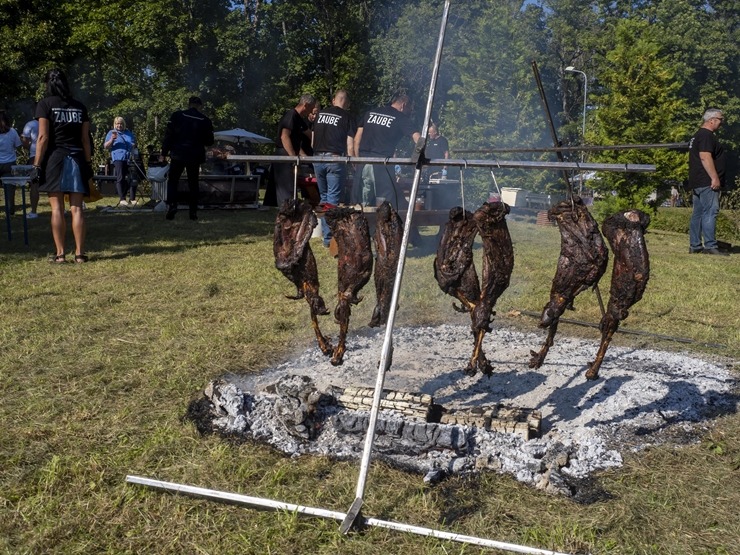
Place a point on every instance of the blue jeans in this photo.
(329, 179)
(704, 218)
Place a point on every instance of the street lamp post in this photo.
(571, 69)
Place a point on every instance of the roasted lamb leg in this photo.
(388, 237)
(582, 262)
(454, 269)
(625, 232)
(294, 258)
(498, 263)
(355, 266)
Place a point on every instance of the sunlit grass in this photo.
(99, 362)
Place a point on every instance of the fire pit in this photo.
(549, 428)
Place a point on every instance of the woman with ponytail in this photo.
(62, 162)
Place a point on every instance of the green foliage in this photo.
(638, 103)
(652, 68)
(677, 220)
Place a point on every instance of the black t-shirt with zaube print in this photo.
(65, 121)
(382, 129)
(331, 129)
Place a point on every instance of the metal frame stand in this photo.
(353, 517)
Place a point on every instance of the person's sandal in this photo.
(81, 258)
(58, 259)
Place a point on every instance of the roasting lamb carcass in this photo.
(498, 263)
(454, 269)
(583, 260)
(355, 266)
(388, 238)
(625, 232)
(294, 258)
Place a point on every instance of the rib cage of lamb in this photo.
(456, 275)
(583, 260)
(294, 258)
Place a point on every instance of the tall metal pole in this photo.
(571, 69)
(385, 357)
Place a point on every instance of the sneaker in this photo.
(32, 216)
(716, 251)
(134, 202)
(695, 251)
(123, 202)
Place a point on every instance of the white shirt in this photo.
(8, 143)
(31, 131)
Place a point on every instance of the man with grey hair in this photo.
(292, 128)
(706, 178)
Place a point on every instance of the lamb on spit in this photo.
(498, 263)
(388, 237)
(582, 262)
(454, 269)
(625, 232)
(294, 258)
(355, 266)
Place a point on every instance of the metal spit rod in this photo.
(462, 162)
(260, 503)
(576, 148)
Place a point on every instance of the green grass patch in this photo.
(99, 362)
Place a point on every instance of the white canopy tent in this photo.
(239, 135)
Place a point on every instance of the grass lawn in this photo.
(99, 362)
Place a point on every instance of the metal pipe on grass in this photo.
(260, 503)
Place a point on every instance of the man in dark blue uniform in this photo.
(188, 133)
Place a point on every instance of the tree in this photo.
(637, 102)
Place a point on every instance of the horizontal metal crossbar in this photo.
(461, 162)
(573, 148)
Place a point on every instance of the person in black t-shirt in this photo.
(706, 177)
(63, 143)
(188, 133)
(377, 136)
(292, 129)
(333, 135)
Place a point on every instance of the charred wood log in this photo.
(294, 258)
(625, 232)
(355, 266)
(388, 238)
(454, 269)
(583, 260)
(498, 263)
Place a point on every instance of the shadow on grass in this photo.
(140, 232)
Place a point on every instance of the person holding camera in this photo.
(120, 141)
